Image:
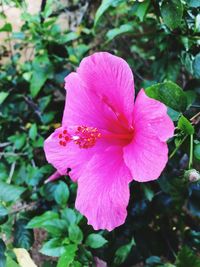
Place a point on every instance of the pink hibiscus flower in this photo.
(106, 139)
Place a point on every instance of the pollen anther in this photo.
(86, 137)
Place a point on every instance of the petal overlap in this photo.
(147, 154)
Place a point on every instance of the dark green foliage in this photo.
(187, 258)
(172, 12)
(160, 41)
(23, 237)
(196, 66)
(2, 253)
(3, 214)
(122, 252)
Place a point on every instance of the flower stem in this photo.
(191, 152)
(176, 149)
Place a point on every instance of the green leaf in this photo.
(38, 221)
(48, 117)
(71, 36)
(186, 258)
(48, 9)
(174, 115)
(48, 191)
(187, 58)
(172, 12)
(125, 28)
(75, 234)
(170, 94)
(42, 70)
(10, 262)
(197, 151)
(185, 126)
(18, 140)
(153, 261)
(68, 256)
(122, 253)
(7, 27)
(33, 175)
(95, 241)
(191, 97)
(197, 24)
(141, 9)
(196, 66)
(149, 194)
(45, 100)
(53, 248)
(37, 81)
(77, 264)
(56, 227)
(61, 193)
(2, 253)
(69, 216)
(3, 96)
(10, 192)
(3, 214)
(23, 237)
(3, 171)
(33, 132)
(104, 7)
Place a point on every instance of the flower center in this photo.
(84, 137)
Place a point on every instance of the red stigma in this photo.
(65, 138)
(61, 143)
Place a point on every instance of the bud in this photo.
(192, 175)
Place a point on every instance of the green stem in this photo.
(191, 151)
(175, 150)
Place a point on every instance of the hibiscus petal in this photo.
(147, 154)
(151, 115)
(85, 108)
(70, 156)
(103, 191)
(110, 78)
